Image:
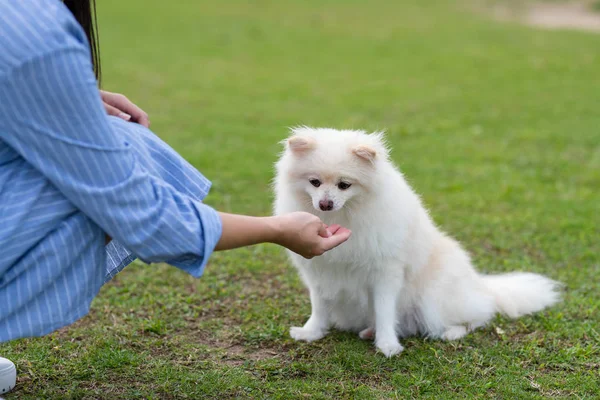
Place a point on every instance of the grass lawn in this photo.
(496, 125)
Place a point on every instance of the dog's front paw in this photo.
(389, 348)
(304, 334)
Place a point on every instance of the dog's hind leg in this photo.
(367, 334)
(454, 332)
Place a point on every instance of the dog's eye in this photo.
(343, 185)
(315, 182)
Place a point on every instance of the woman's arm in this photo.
(300, 232)
(303, 233)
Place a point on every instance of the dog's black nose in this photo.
(326, 205)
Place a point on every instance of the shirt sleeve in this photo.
(51, 113)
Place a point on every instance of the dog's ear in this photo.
(365, 152)
(299, 144)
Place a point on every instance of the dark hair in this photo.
(84, 12)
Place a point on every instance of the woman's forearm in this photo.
(242, 230)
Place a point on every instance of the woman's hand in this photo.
(305, 234)
(120, 106)
(301, 232)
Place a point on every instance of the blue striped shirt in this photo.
(69, 174)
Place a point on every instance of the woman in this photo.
(72, 178)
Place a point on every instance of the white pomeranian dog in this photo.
(398, 275)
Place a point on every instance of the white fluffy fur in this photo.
(398, 275)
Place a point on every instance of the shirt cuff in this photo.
(212, 228)
(117, 258)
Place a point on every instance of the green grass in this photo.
(495, 124)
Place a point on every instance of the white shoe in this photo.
(8, 375)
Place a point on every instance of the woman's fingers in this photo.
(125, 106)
(339, 237)
(110, 110)
(333, 228)
(323, 231)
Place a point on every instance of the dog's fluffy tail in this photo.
(521, 293)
